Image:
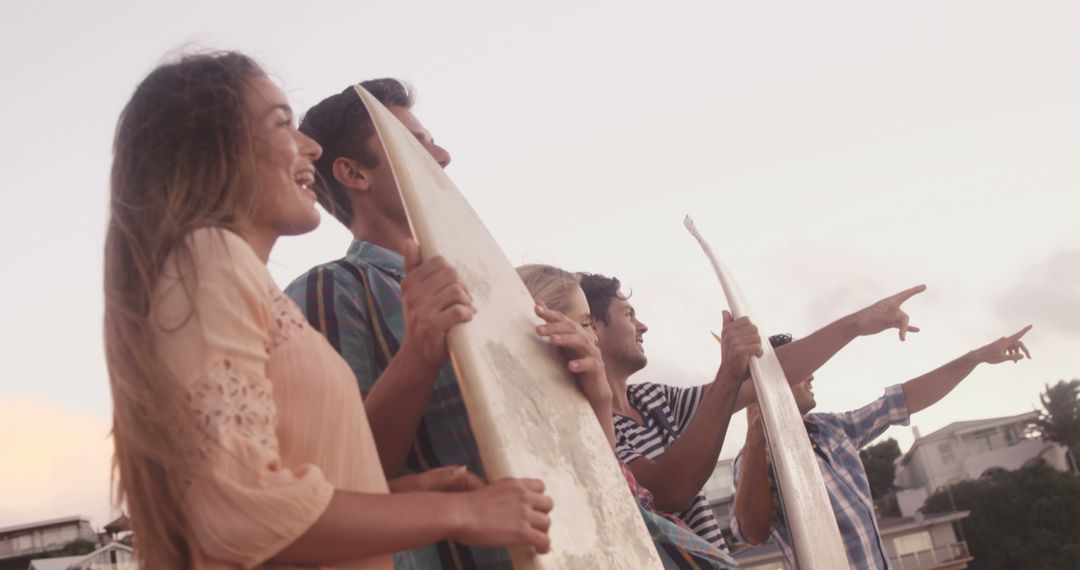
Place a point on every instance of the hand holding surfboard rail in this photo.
(805, 501)
(528, 416)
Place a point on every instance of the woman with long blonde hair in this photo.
(240, 435)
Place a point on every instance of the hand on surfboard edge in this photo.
(508, 512)
(578, 347)
(739, 340)
(434, 300)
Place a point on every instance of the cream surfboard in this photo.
(529, 418)
(803, 497)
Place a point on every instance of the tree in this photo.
(879, 461)
(78, 546)
(1059, 420)
(1028, 518)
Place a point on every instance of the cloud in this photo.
(56, 462)
(1048, 294)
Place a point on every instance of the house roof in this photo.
(957, 428)
(58, 563)
(970, 425)
(106, 548)
(120, 524)
(50, 522)
(896, 525)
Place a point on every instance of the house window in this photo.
(983, 439)
(1012, 435)
(51, 537)
(912, 543)
(69, 533)
(945, 449)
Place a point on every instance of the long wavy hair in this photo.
(183, 160)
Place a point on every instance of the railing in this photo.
(932, 558)
(10, 547)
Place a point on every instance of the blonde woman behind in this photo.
(562, 304)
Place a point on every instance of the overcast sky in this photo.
(832, 152)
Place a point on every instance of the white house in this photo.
(44, 536)
(967, 450)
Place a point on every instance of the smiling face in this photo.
(621, 337)
(285, 164)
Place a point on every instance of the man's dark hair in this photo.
(599, 291)
(778, 340)
(341, 124)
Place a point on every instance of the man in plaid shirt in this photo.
(388, 314)
(836, 440)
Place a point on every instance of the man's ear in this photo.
(351, 175)
(600, 328)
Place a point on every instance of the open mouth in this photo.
(305, 180)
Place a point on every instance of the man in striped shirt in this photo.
(670, 437)
(836, 440)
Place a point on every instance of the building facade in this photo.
(25, 540)
(967, 450)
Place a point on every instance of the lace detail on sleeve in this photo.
(227, 401)
(286, 319)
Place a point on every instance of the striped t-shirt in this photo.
(666, 411)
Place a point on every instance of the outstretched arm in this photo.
(509, 512)
(801, 358)
(924, 391)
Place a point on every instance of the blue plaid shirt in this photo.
(367, 334)
(836, 439)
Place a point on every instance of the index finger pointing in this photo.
(1022, 332)
(908, 293)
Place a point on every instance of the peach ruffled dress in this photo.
(279, 415)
